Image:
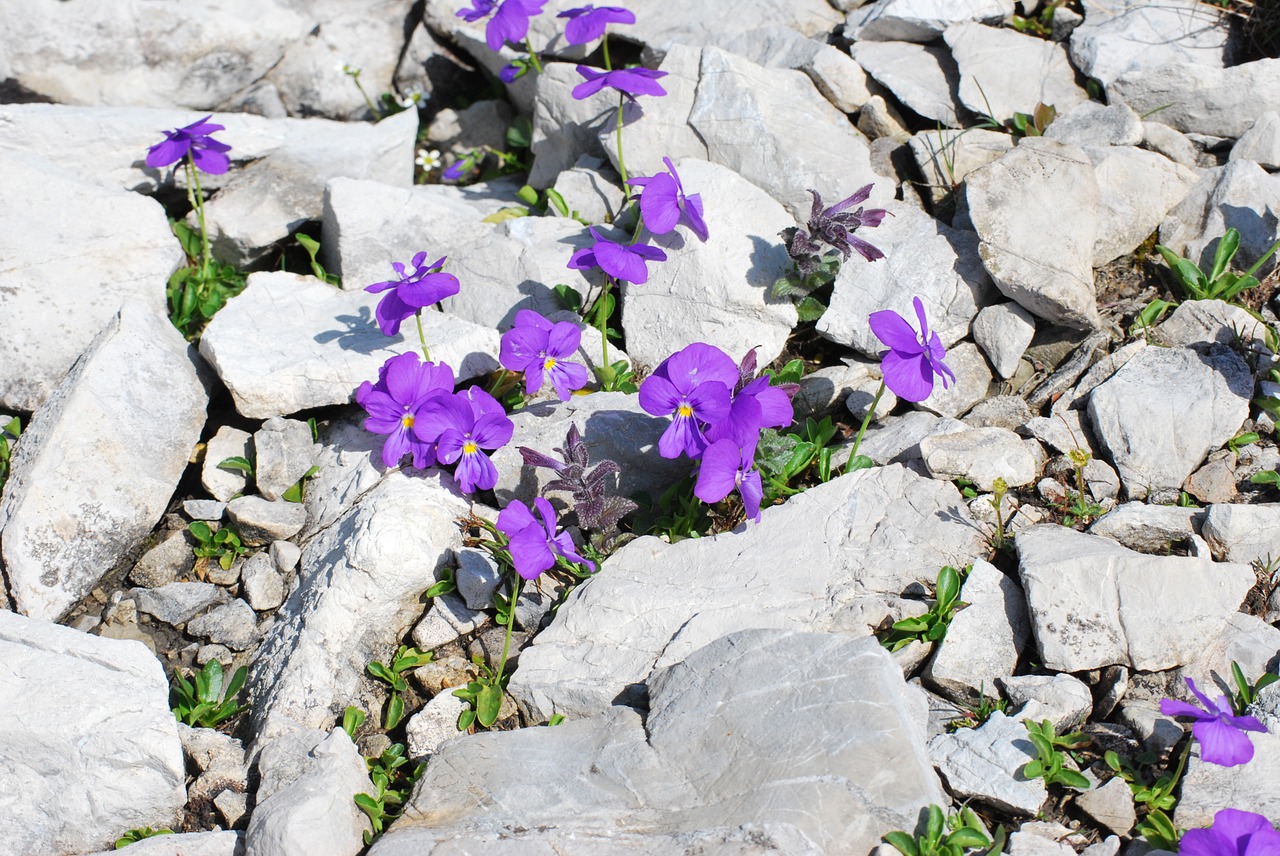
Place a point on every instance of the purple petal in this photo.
(395, 447)
(648, 253)
(449, 446)
(442, 414)
(530, 552)
(924, 322)
(693, 216)
(492, 431)
(892, 329)
(212, 162)
(401, 377)
(621, 262)
(565, 547)
(682, 435)
(718, 472)
(1206, 842)
(594, 81)
(860, 195)
(584, 259)
(1201, 697)
(516, 517)
(520, 347)
(710, 401)
(477, 471)
(659, 206)
(1221, 744)
(1235, 824)
(752, 491)
(167, 152)
(867, 251)
(534, 375)
(548, 515)
(699, 363)
(567, 377)
(390, 311)
(529, 318)
(1175, 707)
(563, 340)
(510, 24)
(658, 396)
(909, 378)
(482, 403)
(431, 289)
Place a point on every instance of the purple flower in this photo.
(692, 385)
(1233, 833)
(457, 170)
(508, 74)
(208, 154)
(410, 292)
(664, 204)
(620, 261)
(481, 9)
(511, 23)
(404, 386)
(534, 544)
(587, 23)
(629, 81)
(536, 346)
(836, 228)
(1220, 732)
(462, 425)
(726, 467)
(913, 359)
(756, 405)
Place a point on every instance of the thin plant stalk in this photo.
(602, 319)
(533, 57)
(866, 420)
(417, 316)
(374, 110)
(604, 45)
(511, 619)
(622, 164)
(196, 195)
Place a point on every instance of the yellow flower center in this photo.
(468, 448)
(550, 363)
(685, 410)
(407, 421)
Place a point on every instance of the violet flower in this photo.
(756, 405)
(1233, 833)
(462, 425)
(534, 544)
(511, 22)
(629, 81)
(587, 23)
(208, 154)
(404, 386)
(480, 9)
(692, 385)
(727, 467)
(836, 227)
(663, 203)
(1221, 733)
(537, 347)
(409, 292)
(620, 261)
(913, 359)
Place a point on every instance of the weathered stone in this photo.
(947, 157)
(982, 764)
(822, 391)
(565, 127)
(921, 20)
(1094, 603)
(1206, 392)
(909, 526)
(1201, 99)
(980, 455)
(178, 603)
(289, 343)
(165, 562)
(1148, 528)
(350, 461)
(1040, 185)
(897, 439)
(77, 500)
(1170, 143)
(223, 842)
(261, 521)
(1001, 411)
(1120, 36)
(261, 583)
(973, 380)
(715, 292)
(1003, 331)
(477, 577)
(1094, 124)
(285, 555)
(1237, 196)
(590, 191)
(448, 619)
(283, 453)
(1243, 533)
(204, 509)
(484, 123)
(1261, 143)
(841, 80)
(72, 755)
(924, 78)
(1136, 189)
(1208, 788)
(1097, 373)
(435, 723)
(1062, 699)
(1003, 72)
(1215, 482)
(233, 624)
(225, 482)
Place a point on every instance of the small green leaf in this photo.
(859, 462)
(395, 711)
(236, 463)
(903, 843)
(1265, 477)
(1226, 250)
(502, 215)
(381, 672)
(809, 309)
(352, 718)
(934, 825)
(466, 719)
(200, 531)
(1072, 779)
(1033, 770)
(967, 837)
(948, 587)
(556, 719)
(557, 202)
(568, 298)
(488, 705)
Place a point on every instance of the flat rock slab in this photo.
(984, 764)
(224, 842)
(1136, 189)
(708, 767)
(99, 462)
(921, 20)
(289, 343)
(1094, 603)
(1208, 788)
(1120, 36)
(1003, 72)
(980, 455)
(1243, 533)
(1201, 99)
(57, 230)
(655, 602)
(110, 762)
(924, 78)
(1205, 392)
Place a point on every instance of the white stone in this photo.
(77, 500)
(897, 439)
(1208, 788)
(980, 455)
(1148, 528)
(1205, 322)
(477, 577)
(448, 619)
(1062, 699)
(232, 624)
(1093, 124)
(1239, 195)
(1120, 36)
(225, 482)
(922, 77)
(947, 157)
(921, 20)
(283, 453)
(178, 603)
(983, 763)
(1003, 331)
(973, 379)
(1003, 72)
(565, 127)
(1201, 99)
(1136, 189)
(261, 583)
(1261, 143)
(261, 521)
(435, 723)
(1243, 533)
(590, 193)
(285, 554)
(350, 461)
(223, 842)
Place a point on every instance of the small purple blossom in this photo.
(626, 262)
(511, 22)
(463, 425)
(480, 9)
(663, 203)
(409, 292)
(756, 405)
(1221, 733)
(208, 154)
(534, 544)
(912, 360)
(727, 467)
(629, 81)
(404, 387)
(587, 23)
(1233, 833)
(836, 227)
(539, 348)
(508, 74)
(693, 385)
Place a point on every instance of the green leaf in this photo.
(520, 133)
(1112, 760)
(209, 682)
(557, 202)
(381, 672)
(911, 625)
(1265, 477)
(1043, 747)
(556, 719)
(809, 309)
(859, 462)
(967, 837)
(948, 587)
(297, 492)
(800, 458)
(903, 843)
(502, 215)
(410, 658)
(1033, 770)
(200, 531)
(792, 372)
(527, 195)
(225, 561)
(934, 825)
(488, 705)
(1072, 779)
(395, 711)
(466, 719)
(236, 463)
(568, 298)
(1226, 250)
(444, 586)
(352, 718)
(788, 286)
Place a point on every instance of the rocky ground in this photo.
(1105, 478)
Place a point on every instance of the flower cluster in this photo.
(717, 410)
(833, 227)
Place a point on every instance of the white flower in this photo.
(415, 97)
(347, 68)
(428, 159)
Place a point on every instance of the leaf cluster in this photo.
(312, 246)
(483, 696)
(11, 431)
(1050, 763)
(406, 659)
(1153, 792)
(932, 626)
(787, 458)
(1218, 283)
(597, 510)
(223, 545)
(1033, 124)
(393, 780)
(196, 292)
(954, 835)
(133, 836)
(1246, 693)
(813, 270)
(676, 515)
(976, 715)
(200, 701)
(1040, 24)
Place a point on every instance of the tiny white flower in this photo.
(429, 159)
(415, 97)
(347, 68)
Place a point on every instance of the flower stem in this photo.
(377, 116)
(511, 619)
(866, 420)
(602, 319)
(533, 57)
(417, 316)
(622, 164)
(604, 45)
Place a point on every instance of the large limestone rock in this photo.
(1201, 99)
(921, 20)
(1136, 189)
(1119, 36)
(78, 776)
(707, 770)
(1003, 72)
(1239, 196)
(922, 77)
(99, 462)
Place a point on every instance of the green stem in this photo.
(1262, 259)
(417, 316)
(622, 164)
(511, 619)
(866, 420)
(533, 57)
(374, 110)
(602, 318)
(604, 44)
(197, 202)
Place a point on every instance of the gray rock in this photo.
(878, 120)
(980, 455)
(232, 624)
(1003, 331)
(261, 521)
(1040, 185)
(1201, 99)
(223, 842)
(1170, 143)
(1003, 72)
(1001, 411)
(1155, 731)
(822, 391)
(1261, 143)
(1206, 391)
(178, 603)
(946, 157)
(686, 776)
(448, 619)
(909, 526)
(289, 343)
(1094, 603)
(283, 454)
(715, 292)
(72, 755)
(1243, 533)
(122, 244)
(590, 193)
(921, 20)
(484, 123)
(1062, 699)
(985, 638)
(1205, 322)
(1120, 36)
(225, 482)
(923, 258)
(1236, 196)
(314, 813)
(76, 501)
(1064, 432)
(204, 509)
(1097, 373)
(285, 555)
(565, 127)
(232, 806)
(1244, 639)
(983, 764)
(261, 583)
(435, 723)
(1093, 124)
(1148, 528)
(477, 577)
(1266, 707)
(1207, 788)
(164, 563)
(973, 380)
(358, 593)
(1215, 482)
(922, 77)
(660, 25)
(1136, 189)
(897, 439)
